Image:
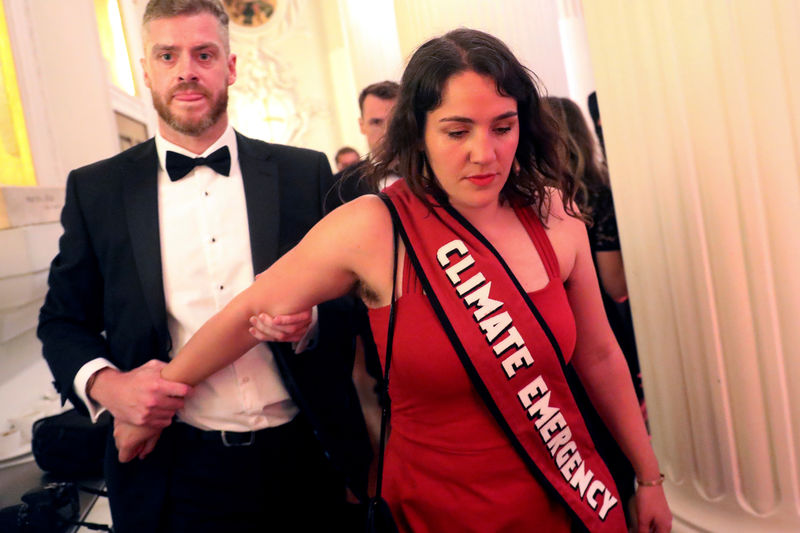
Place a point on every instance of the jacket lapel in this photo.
(261, 190)
(140, 199)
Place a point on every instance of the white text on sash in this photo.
(473, 289)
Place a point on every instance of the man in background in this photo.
(376, 103)
(158, 239)
(345, 157)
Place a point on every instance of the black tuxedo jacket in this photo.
(348, 184)
(106, 295)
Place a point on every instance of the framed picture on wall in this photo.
(250, 13)
(131, 132)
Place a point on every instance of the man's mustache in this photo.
(189, 86)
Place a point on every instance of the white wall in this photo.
(378, 37)
(529, 27)
(67, 109)
(62, 85)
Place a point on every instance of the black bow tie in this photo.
(178, 165)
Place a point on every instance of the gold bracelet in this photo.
(651, 483)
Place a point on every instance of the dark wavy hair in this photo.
(583, 161)
(539, 160)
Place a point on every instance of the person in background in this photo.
(345, 157)
(594, 111)
(376, 102)
(493, 291)
(595, 200)
(158, 239)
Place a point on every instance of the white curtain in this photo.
(700, 103)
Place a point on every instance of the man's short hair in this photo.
(385, 90)
(344, 150)
(159, 9)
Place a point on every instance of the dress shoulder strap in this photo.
(541, 241)
(410, 280)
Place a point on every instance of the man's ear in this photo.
(231, 69)
(144, 71)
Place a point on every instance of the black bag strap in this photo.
(385, 400)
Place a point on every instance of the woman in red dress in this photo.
(496, 293)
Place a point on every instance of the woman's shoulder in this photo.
(567, 233)
(367, 206)
(365, 217)
(556, 214)
(363, 234)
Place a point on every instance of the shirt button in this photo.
(245, 379)
(213, 239)
(221, 287)
(205, 193)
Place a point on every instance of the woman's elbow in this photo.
(617, 290)
(611, 272)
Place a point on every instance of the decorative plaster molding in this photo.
(265, 100)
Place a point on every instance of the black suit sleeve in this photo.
(320, 379)
(71, 319)
(326, 181)
(346, 185)
(336, 332)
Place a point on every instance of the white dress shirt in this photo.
(206, 260)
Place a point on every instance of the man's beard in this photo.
(191, 127)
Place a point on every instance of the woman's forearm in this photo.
(611, 272)
(610, 388)
(323, 266)
(218, 343)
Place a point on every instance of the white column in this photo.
(530, 28)
(701, 116)
(575, 49)
(370, 31)
(63, 85)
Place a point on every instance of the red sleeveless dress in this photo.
(448, 465)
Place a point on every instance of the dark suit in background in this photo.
(106, 299)
(348, 184)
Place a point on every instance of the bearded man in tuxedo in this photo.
(158, 239)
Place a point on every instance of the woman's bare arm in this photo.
(604, 373)
(351, 244)
(612, 274)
